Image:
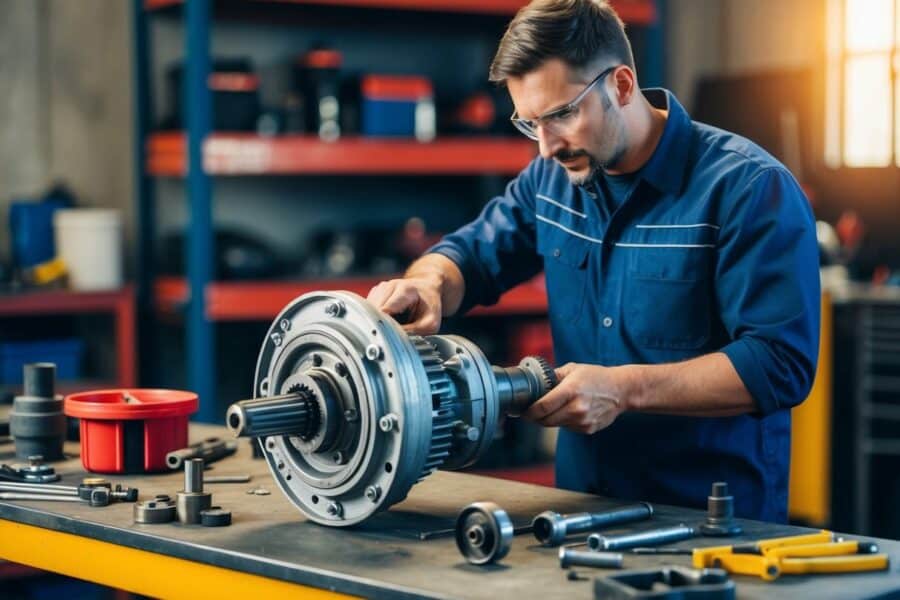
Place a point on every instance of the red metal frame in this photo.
(263, 300)
(120, 303)
(249, 154)
(635, 12)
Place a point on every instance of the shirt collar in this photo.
(667, 165)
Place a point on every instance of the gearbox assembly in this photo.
(351, 411)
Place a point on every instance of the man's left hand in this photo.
(587, 398)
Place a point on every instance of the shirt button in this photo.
(607, 321)
(556, 253)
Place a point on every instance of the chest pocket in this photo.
(667, 297)
(566, 270)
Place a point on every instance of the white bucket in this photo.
(89, 241)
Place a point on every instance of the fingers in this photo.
(381, 292)
(563, 371)
(399, 296)
(549, 403)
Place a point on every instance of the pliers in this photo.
(812, 553)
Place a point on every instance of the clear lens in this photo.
(526, 127)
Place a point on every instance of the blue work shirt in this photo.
(713, 250)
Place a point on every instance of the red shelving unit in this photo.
(252, 300)
(249, 154)
(637, 12)
(119, 303)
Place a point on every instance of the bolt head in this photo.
(276, 338)
(338, 457)
(335, 509)
(285, 324)
(373, 352)
(350, 414)
(387, 422)
(373, 493)
(335, 309)
(317, 360)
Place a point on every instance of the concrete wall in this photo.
(66, 106)
(727, 37)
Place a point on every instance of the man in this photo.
(681, 266)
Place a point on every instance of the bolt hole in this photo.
(288, 477)
(374, 332)
(390, 373)
(315, 499)
(388, 467)
(280, 465)
(234, 421)
(270, 445)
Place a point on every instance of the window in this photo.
(862, 99)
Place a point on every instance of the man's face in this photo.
(593, 138)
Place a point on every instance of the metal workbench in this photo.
(270, 551)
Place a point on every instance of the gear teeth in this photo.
(442, 414)
(541, 368)
(313, 421)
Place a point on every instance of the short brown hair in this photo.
(579, 32)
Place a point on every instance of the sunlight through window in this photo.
(862, 110)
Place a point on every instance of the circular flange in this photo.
(333, 333)
(484, 533)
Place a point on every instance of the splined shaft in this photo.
(289, 414)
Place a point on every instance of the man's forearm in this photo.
(707, 386)
(446, 275)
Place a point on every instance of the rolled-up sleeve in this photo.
(767, 287)
(496, 251)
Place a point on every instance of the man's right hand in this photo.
(417, 298)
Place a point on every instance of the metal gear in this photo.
(441, 401)
(351, 411)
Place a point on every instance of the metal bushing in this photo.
(215, 517)
(37, 422)
(192, 500)
(151, 512)
(720, 521)
(484, 533)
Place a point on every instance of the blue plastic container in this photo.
(31, 230)
(66, 354)
(393, 107)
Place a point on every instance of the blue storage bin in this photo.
(389, 118)
(397, 106)
(66, 354)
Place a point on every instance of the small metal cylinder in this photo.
(39, 380)
(603, 560)
(189, 505)
(654, 537)
(193, 475)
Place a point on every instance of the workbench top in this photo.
(383, 557)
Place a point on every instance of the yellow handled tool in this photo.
(812, 553)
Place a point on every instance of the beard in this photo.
(609, 150)
(609, 160)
